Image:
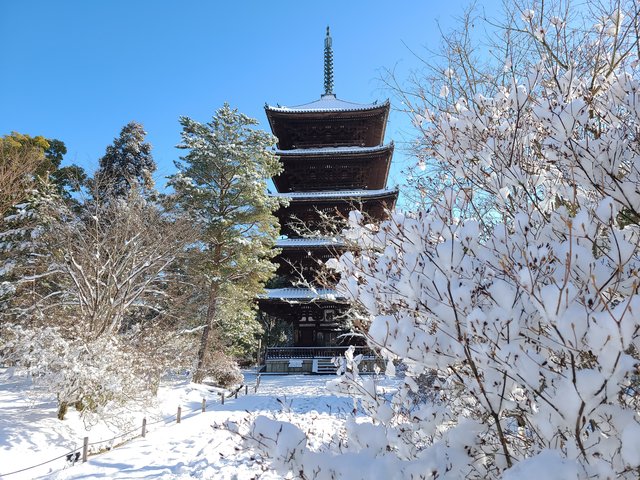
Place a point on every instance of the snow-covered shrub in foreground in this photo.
(525, 318)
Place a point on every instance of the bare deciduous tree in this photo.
(98, 276)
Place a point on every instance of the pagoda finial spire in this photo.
(328, 65)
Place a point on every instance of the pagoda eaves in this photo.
(347, 195)
(309, 207)
(328, 122)
(301, 294)
(308, 243)
(332, 151)
(348, 168)
(329, 103)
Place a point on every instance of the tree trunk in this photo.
(62, 410)
(206, 341)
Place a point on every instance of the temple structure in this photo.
(334, 160)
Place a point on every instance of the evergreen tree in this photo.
(20, 157)
(24, 159)
(32, 182)
(126, 164)
(68, 179)
(221, 184)
(25, 252)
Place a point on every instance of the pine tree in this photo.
(127, 163)
(221, 184)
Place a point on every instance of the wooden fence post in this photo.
(204, 405)
(144, 427)
(222, 398)
(179, 415)
(235, 395)
(85, 449)
(246, 389)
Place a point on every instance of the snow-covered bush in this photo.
(89, 374)
(516, 290)
(224, 370)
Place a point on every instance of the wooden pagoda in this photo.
(334, 160)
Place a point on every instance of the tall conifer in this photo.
(127, 163)
(221, 184)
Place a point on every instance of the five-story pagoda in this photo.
(334, 161)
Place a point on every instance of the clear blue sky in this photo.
(78, 70)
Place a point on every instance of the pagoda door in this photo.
(306, 337)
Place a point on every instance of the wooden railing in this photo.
(276, 353)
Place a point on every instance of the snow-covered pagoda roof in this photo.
(301, 294)
(341, 194)
(308, 242)
(328, 122)
(332, 167)
(328, 103)
(332, 150)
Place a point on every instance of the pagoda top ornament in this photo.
(329, 122)
(328, 65)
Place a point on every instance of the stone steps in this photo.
(323, 366)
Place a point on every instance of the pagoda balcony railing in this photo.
(283, 353)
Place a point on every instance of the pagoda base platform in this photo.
(316, 360)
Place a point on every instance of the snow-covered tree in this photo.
(127, 163)
(97, 275)
(25, 250)
(512, 300)
(108, 259)
(90, 375)
(221, 185)
(43, 184)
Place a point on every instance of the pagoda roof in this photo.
(308, 242)
(328, 103)
(332, 151)
(337, 194)
(328, 122)
(301, 294)
(334, 168)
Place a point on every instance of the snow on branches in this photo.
(512, 300)
(89, 295)
(93, 375)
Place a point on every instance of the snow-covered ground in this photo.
(195, 448)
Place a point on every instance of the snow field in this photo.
(201, 446)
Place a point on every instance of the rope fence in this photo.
(74, 456)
